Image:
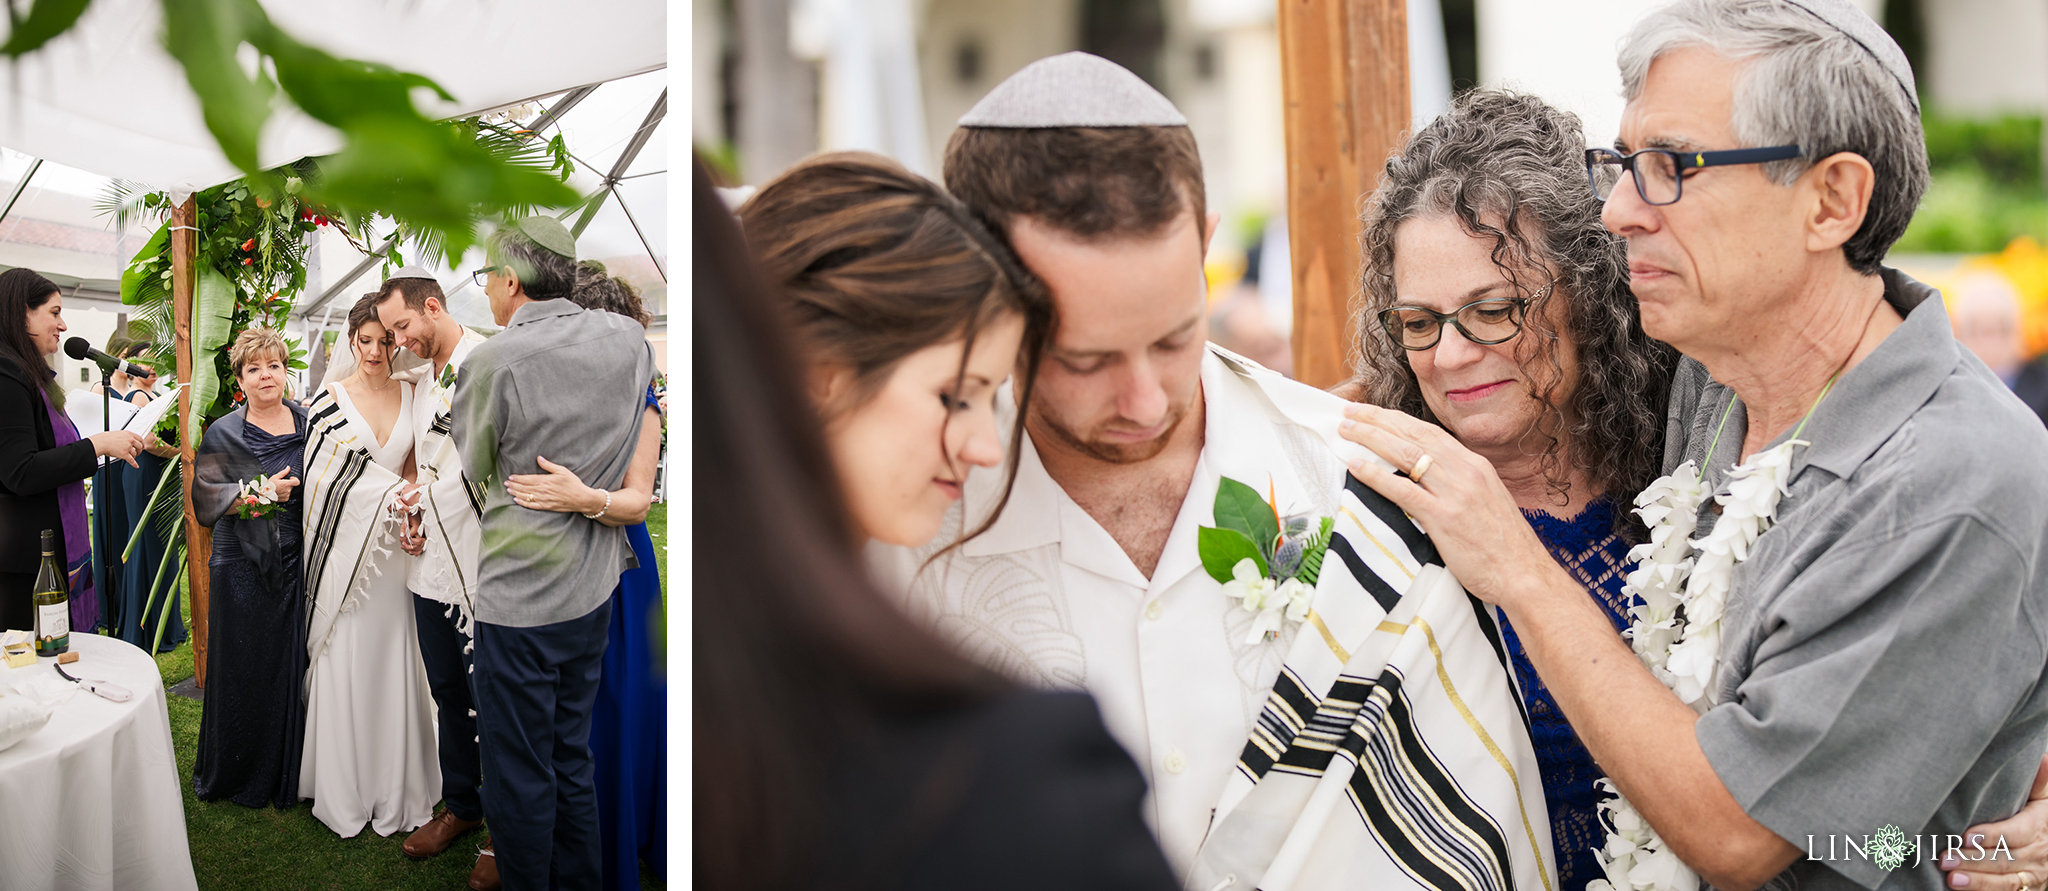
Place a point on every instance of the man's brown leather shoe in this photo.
(437, 835)
(485, 876)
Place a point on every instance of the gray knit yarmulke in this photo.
(1073, 90)
(1852, 21)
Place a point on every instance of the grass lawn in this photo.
(234, 847)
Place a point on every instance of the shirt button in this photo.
(1153, 609)
(1175, 761)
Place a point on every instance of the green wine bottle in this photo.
(52, 597)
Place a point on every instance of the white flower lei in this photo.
(1683, 650)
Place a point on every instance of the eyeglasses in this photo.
(1485, 322)
(1659, 172)
(482, 275)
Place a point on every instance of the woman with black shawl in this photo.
(253, 729)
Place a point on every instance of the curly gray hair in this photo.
(1511, 168)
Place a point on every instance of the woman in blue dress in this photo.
(253, 729)
(629, 724)
(142, 594)
(1545, 372)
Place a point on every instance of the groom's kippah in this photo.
(1073, 90)
(1857, 25)
(411, 272)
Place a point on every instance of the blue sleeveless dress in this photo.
(629, 724)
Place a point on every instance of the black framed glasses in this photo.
(480, 276)
(1660, 173)
(1485, 322)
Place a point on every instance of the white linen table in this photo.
(91, 802)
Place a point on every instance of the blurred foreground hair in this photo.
(791, 644)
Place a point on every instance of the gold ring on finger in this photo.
(2026, 880)
(1422, 466)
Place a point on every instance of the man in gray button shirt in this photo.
(1883, 645)
(567, 384)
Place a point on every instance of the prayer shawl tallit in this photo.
(451, 509)
(1394, 750)
(347, 516)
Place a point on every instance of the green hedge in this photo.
(1986, 188)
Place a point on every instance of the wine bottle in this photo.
(52, 597)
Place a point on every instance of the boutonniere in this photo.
(1267, 562)
(447, 378)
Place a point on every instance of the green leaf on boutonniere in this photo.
(1222, 549)
(447, 378)
(1239, 508)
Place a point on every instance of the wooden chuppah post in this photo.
(1344, 73)
(198, 539)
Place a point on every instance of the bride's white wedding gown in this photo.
(370, 752)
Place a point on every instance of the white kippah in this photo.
(1073, 90)
(1857, 25)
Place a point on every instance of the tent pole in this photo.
(20, 187)
(643, 236)
(624, 163)
(198, 539)
(1344, 77)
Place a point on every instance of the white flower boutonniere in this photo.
(1267, 563)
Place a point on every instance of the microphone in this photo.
(79, 348)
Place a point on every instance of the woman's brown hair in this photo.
(873, 263)
(1510, 168)
(21, 292)
(792, 647)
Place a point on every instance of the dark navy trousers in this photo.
(441, 645)
(535, 688)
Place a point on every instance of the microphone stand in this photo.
(110, 606)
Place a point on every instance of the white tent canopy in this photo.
(106, 98)
(105, 101)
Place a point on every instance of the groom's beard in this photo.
(424, 348)
(1043, 424)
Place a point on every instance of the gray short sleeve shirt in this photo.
(1883, 650)
(569, 384)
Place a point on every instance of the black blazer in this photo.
(1027, 791)
(31, 470)
(2032, 386)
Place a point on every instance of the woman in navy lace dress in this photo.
(1486, 219)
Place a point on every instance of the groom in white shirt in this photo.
(1092, 576)
(444, 540)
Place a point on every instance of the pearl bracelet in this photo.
(602, 510)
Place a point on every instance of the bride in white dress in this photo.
(370, 749)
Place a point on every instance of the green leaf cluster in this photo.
(394, 160)
(438, 176)
(1247, 528)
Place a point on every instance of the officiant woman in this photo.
(43, 461)
(252, 732)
